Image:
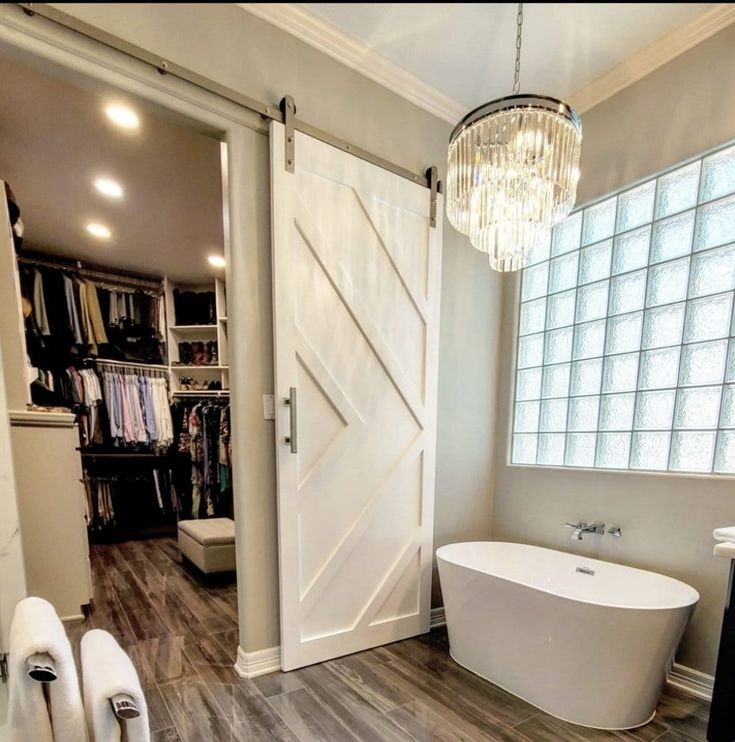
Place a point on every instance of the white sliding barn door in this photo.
(356, 313)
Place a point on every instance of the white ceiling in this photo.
(55, 139)
(466, 50)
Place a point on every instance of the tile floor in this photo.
(182, 636)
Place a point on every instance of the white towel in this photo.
(37, 629)
(724, 534)
(106, 672)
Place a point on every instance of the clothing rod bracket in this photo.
(288, 108)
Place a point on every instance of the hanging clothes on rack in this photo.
(203, 470)
(39, 304)
(86, 392)
(137, 401)
(75, 312)
(123, 501)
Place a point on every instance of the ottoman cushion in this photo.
(209, 531)
(209, 543)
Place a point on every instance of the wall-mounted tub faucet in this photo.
(582, 527)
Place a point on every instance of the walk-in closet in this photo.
(113, 304)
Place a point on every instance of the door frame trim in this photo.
(75, 57)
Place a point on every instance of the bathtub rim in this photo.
(540, 708)
(693, 603)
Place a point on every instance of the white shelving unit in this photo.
(177, 333)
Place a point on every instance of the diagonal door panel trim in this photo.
(382, 591)
(344, 289)
(313, 363)
(319, 373)
(357, 530)
(419, 303)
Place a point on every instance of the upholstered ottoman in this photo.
(208, 543)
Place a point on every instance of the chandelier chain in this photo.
(517, 76)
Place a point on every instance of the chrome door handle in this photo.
(293, 438)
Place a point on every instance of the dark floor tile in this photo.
(350, 707)
(195, 710)
(476, 723)
(141, 614)
(275, 683)
(255, 718)
(425, 725)
(684, 713)
(208, 651)
(165, 735)
(308, 718)
(672, 736)
(108, 614)
(74, 632)
(158, 713)
(229, 641)
(359, 673)
(165, 658)
(544, 727)
(433, 662)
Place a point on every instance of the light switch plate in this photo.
(269, 406)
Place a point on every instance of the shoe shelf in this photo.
(181, 336)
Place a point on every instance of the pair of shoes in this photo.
(198, 353)
(185, 353)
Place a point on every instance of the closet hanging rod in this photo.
(129, 364)
(267, 111)
(202, 393)
(101, 275)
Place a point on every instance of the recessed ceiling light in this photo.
(217, 261)
(108, 187)
(99, 230)
(124, 117)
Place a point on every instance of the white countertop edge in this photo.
(42, 419)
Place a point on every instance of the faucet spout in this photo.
(582, 527)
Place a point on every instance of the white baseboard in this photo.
(437, 617)
(692, 681)
(253, 664)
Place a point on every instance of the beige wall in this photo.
(683, 108)
(236, 49)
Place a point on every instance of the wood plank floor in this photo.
(182, 637)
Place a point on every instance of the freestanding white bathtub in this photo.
(591, 647)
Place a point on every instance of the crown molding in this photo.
(653, 56)
(357, 55)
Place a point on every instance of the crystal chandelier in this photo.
(512, 171)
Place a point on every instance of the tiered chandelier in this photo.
(512, 171)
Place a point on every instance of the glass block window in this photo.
(626, 335)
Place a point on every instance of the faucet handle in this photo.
(581, 524)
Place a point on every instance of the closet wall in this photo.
(236, 49)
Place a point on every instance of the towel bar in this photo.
(124, 706)
(41, 667)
